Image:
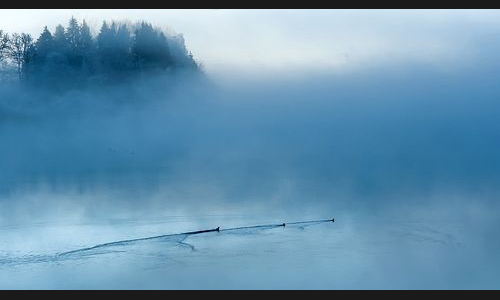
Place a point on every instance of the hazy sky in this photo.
(296, 39)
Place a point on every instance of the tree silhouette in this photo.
(150, 49)
(87, 50)
(4, 45)
(20, 51)
(72, 57)
(73, 34)
(45, 43)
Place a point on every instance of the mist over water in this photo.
(403, 155)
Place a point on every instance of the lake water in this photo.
(407, 165)
(356, 252)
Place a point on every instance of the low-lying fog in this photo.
(405, 156)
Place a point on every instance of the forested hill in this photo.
(74, 57)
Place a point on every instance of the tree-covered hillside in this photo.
(74, 57)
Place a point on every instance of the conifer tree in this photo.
(73, 34)
(86, 47)
(86, 42)
(60, 38)
(72, 56)
(150, 48)
(45, 42)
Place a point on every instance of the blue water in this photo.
(361, 253)
(405, 161)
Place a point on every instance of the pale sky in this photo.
(295, 39)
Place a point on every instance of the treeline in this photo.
(72, 56)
